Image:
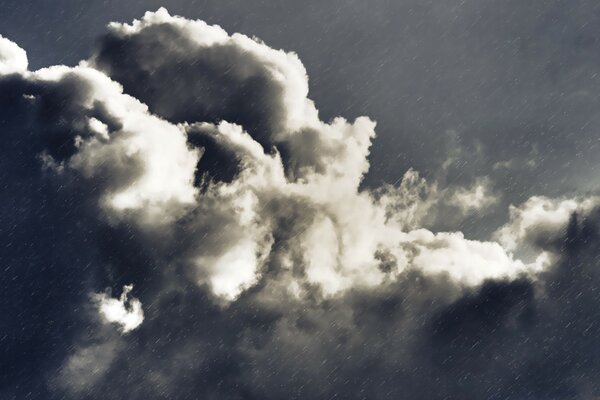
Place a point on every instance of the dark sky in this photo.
(281, 255)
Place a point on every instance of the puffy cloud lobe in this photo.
(149, 154)
(239, 216)
(127, 313)
(266, 87)
(467, 261)
(85, 125)
(540, 221)
(13, 59)
(194, 72)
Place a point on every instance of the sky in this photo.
(299, 200)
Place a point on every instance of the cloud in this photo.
(192, 163)
(280, 152)
(127, 313)
(87, 366)
(426, 337)
(417, 203)
(13, 59)
(540, 221)
(260, 88)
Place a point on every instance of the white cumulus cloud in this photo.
(126, 313)
(13, 59)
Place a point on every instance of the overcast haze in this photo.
(299, 199)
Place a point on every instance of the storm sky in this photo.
(299, 199)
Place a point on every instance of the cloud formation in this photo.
(127, 313)
(13, 59)
(191, 163)
(282, 153)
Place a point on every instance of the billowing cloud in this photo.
(192, 164)
(280, 153)
(125, 312)
(542, 221)
(13, 59)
